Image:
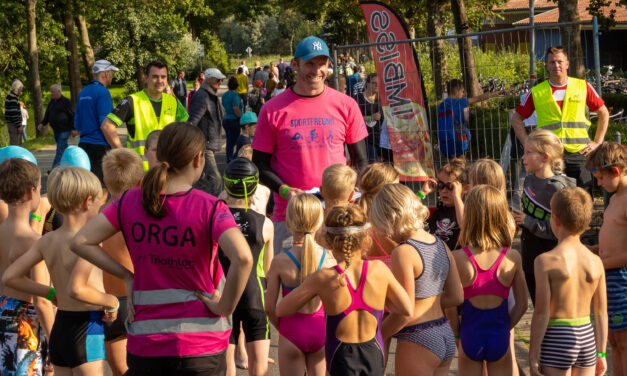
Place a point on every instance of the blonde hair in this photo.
(486, 219)
(398, 211)
(69, 187)
(610, 154)
(304, 215)
(573, 207)
(153, 137)
(246, 151)
(486, 171)
(122, 169)
(456, 169)
(547, 143)
(338, 182)
(348, 244)
(372, 180)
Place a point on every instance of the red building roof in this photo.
(552, 16)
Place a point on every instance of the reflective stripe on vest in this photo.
(174, 325)
(146, 120)
(568, 123)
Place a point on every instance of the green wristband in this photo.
(114, 309)
(601, 354)
(421, 195)
(35, 216)
(50, 293)
(284, 191)
(456, 336)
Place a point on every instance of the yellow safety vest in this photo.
(570, 123)
(146, 120)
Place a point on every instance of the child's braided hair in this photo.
(347, 219)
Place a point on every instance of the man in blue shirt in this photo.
(92, 106)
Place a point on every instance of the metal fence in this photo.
(503, 60)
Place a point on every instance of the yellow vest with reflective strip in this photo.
(570, 123)
(146, 120)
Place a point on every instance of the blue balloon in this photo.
(74, 156)
(14, 151)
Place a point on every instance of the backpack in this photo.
(453, 135)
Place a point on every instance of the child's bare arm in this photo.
(272, 293)
(458, 189)
(80, 289)
(400, 305)
(520, 293)
(268, 237)
(599, 307)
(453, 294)
(300, 295)
(541, 313)
(15, 275)
(404, 257)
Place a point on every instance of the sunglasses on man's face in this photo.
(442, 185)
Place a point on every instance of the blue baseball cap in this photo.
(14, 151)
(248, 118)
(311, 47)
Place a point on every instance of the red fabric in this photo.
(593, 100)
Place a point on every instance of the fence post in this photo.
(532, 45)
(597, 58)
(617, 137)
(336, 79)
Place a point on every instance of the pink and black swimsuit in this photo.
(347, 359)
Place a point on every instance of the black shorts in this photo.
(95, 153)
(76, 338)
(206, 365)
(117, 329)
(254, 322)
(356, 359)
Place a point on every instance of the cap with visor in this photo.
(311, 47)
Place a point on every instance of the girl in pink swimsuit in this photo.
(301, 341)
(353, 294)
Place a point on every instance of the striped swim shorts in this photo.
(568, 343)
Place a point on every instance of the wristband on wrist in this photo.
(114, 309)
(421, 195)
(601, 354)
(456, 336)
(284, 191)
(50, 293)
(35, 216)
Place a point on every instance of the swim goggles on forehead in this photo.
(244, 181)
(595, 169)
(345, 230)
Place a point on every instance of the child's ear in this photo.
(197, 159)
(616, 172)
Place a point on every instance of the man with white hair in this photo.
(60, 115)
(92, 106)
(13, 113)
(207, 113)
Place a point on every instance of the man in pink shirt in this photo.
(305, 130)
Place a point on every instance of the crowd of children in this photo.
(164, 279)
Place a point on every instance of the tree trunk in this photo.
(435, 8)
(33, 63)
(140, 76)
(466, 58)
(73, 64)
(571, 37)
(88, 52)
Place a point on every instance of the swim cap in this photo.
(14, 151)
(241, 178)
(74, 156)
(248, 118)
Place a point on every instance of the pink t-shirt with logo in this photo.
(173, 257)
(306, 135)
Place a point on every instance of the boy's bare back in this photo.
(573, 274)
(17, 239)
(613, 233)
(60, 260)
